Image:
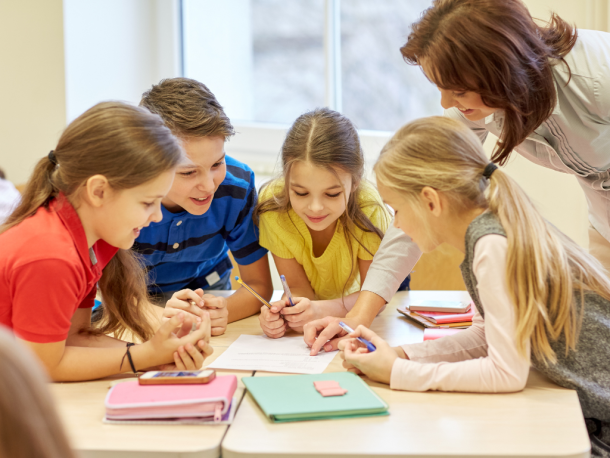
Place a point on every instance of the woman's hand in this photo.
(272, 322)
(195, 303)
(174, 342)
(376, 365)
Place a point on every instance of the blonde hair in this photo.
(129, 146)
(544, 267)
(327, 139)
(29, 424)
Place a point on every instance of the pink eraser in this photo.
(329, 388)
(333, 392)
(324, 384)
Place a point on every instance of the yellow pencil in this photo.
(254, 293)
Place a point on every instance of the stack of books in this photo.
(440, 319)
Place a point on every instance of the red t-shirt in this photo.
(46, 272)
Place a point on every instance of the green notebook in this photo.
(294, 398)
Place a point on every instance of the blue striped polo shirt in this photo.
(190, 251)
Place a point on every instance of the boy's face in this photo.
(199, 177)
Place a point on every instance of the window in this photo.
(268, 61)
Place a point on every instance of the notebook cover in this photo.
(443, 317)
(439, 306)
(130, 400)
(226, 419)
(294, 397)
(429, 324)
(433, 334)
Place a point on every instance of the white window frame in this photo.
(258, 144)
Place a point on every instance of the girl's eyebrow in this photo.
(327, 189)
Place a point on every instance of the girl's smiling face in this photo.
(120, 214)
(317, 195)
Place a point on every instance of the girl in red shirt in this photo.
(81, 212)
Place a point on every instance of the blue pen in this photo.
(287, 290)
(369, 345)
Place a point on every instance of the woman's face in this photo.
(469, 103)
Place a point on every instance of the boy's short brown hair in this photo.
(188, 108)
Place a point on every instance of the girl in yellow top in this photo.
(321, 221)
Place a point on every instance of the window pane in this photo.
(263, 59)
(380, 91)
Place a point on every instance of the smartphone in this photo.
(177, 377)
(439, 306)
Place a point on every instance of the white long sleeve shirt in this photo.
(483, 358)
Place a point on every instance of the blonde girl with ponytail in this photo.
(540, 299)
(81, 212)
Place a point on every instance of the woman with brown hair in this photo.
(541, 89)
(82, 209)
(29, 424)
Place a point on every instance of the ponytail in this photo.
(39, 191)
(543, 271)
(547, 274)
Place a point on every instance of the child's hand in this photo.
(195, 303)
(376, 365)
(172, 342)
(272, 322)
(219, 314)
(303, 312)
(185, 300)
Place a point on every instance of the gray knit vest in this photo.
(586, 370)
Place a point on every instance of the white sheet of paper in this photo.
(261, 353)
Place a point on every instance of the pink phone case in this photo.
(130, 400)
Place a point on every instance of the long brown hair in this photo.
(29, 424)
(326, 139)
(544, 267)
(129, 146)
(493, 48)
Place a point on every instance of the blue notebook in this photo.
(294, 397)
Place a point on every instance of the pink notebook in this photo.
(132, 401)
(443, 317)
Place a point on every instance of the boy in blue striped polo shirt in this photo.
(207, 212)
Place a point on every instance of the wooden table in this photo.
(542, 420)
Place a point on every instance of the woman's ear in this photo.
(431, 200)
(97, 190)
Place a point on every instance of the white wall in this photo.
(32, 95)
(116, 49)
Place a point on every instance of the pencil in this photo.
(254, 293)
